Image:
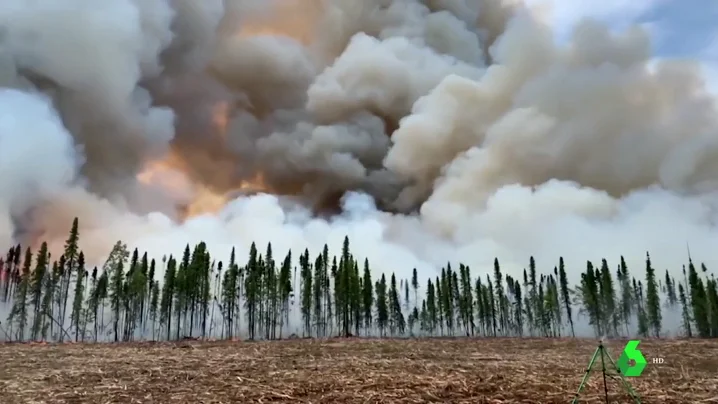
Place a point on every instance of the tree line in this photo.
(260, 297)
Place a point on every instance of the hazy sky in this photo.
(680, 28)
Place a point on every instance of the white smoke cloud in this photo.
(512, 145)
(38, 159)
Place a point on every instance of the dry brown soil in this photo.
(348, 371)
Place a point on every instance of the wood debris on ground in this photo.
(337, 371)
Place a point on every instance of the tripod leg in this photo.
(603, 371)
(624, 382)
(585, 376)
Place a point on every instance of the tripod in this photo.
(603, 353)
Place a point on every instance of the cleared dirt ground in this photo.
(347, 371)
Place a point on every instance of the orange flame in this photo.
(291, 18)
(171, 174)
(221, 116)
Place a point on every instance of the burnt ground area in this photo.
(500, 370)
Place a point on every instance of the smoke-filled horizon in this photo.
(427, 131)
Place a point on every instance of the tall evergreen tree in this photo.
(168, 297)
(590, 298)
(367, 296)
(685, 312)
(115, 266)
(698, 302)
(382, 307)
(653, 303)
(670, 290)
(39, 275)
(77, 315)
(306, 274)
(71, 255)
(565, 294)
(627, 296)
(19, 311)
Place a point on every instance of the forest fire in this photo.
(195, 199)
(206, 201)
(295, 19)
(172, 174)
(221, 114)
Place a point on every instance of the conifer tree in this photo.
(229, 294)
(382, 309)
(306, 274)
(544, 309)
(556, 301)
(612, 317)
(321, 316)
(96, 296)
(367, 296)
(535, 302)
(439, 304)
(115, 266)
(432, 310)
(407, 308)
(151, 281)
(698, 302)
(565, 294)
(71, 255)
(627, 295)
(456, 300)
(168, 291)
(154, 306)
(77, 315)
(252, 285)
(518, 313)
(415, 286)
(50, 288)
(36, 288)
(528, 308)
(467, 300)
(670, 290)
(396, 318)
(491, 305)
(334, 295)
(285, 289)
(712, 302)
(499, 290)
(590, 298)
(653, 303)
(685, 312)
(18, 312)
(643, 324)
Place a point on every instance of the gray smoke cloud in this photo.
(427, 131)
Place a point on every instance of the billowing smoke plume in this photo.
(425, 130)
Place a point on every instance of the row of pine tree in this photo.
(201, 296)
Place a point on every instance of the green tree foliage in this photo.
(653, 302)
(627, 300)
(77, 315)
(38, 280)
(698, 302)
(590, 298)
(19, 313)
(199, 295)
(565, 294)
(68, 270)
(686, 316)
(168, 295)
(114, 266)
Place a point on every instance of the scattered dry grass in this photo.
(346, 371)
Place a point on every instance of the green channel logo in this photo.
(631, 352)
